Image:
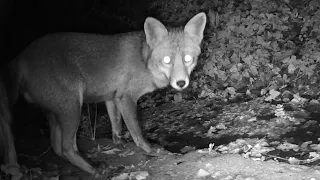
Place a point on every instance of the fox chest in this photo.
(132, 86)
(100, 91)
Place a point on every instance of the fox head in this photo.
(174, 52)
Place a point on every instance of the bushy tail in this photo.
(6, 136)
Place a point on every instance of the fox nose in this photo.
(181, 83)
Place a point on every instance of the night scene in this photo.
(160, 90)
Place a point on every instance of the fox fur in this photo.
(60, 72)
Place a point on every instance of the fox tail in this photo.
(7, 149)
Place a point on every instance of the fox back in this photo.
(60, 72)
(94, 67)
(100, 67)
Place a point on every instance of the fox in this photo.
(61, 71)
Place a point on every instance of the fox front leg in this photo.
(128, 109)
(116, 121)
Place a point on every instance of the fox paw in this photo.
(157, 151)
(101, 168)
(117, 140)
(146, 147)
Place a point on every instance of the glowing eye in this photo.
(166, 59)
(187, 58)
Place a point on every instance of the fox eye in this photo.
(166, 60)
(187, 58)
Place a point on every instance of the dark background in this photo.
(22, 21)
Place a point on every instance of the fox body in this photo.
(60, 72)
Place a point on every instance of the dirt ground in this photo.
(203, 139)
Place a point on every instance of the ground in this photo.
(199, 139)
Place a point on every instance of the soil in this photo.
(195, 139)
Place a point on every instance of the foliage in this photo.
(261, 44)
(252, 44)
(88, 122)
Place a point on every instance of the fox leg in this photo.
(128, 110)
(75, 147)
(10, 150)
(116, 121)
(69, 120)
(55, 133)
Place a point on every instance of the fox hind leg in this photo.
(55, 133)
(69, 122)
(116, 121)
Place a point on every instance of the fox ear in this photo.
(195, 27)
(155, 31)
